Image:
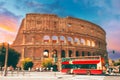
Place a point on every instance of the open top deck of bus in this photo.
(82, 58)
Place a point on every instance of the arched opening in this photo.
(62, 54)
(89, 54)
(54, 53)
(88, 42)
(83, 53)
(46, 38)
(77, 54)
(70, 53)
(99, 44)
(70, 40)
(62, 39)
(76, 41)
(82, 41)
(54, 39)
(94, 54)
(46, 54)
(93, 44)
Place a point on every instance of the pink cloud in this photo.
(7, 23)
(8, 27)
(6, 36)
(113, 40)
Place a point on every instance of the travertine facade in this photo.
(48, 34)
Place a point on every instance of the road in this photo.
(55, 76)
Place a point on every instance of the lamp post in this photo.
(6, 59)
(54, 56)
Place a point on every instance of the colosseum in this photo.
(43, 35)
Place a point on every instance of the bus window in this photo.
(81, 66)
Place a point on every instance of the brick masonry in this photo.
(69, 36)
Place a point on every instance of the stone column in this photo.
(23, 42)
(59, 42)
(85, 41)
(67, 52)
(74, 52)
(42, 57)
(23, 53)
(67, 47)
(90, 43)
(23, 48)
(59, 53)
(33, 48)
(33, 52)
(52, 45)
(51, 53)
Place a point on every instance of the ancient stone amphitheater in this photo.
(47, 35)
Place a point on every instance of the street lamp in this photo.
(6, 58)
(54, 56)
(54, 60)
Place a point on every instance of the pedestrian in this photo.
(40, 69)
(119, 69)
(29, 69)
(51, 69)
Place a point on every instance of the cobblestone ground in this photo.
(55, 76)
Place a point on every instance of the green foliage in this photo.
(13, 57)
(47, 63)
(27, 63)
(117, 63)
(55, 68)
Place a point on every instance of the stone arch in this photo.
(46, 53)
(93, 43)
(46, 38)
(70, 40)
(83, 53)
(62, 53)
(89, 54)
(54, 39)
(88, 42)
(82, 41)
(62, 39)
(55, 54)
(76, 40)
(70, 53)
(77, 54)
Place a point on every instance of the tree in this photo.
(117, 64)
(13, 56)
(47, 63)
(27, 63)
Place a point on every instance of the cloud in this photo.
(112, 28)
(6, 36)
(32, 6)
(108, 8)
(115, 7)
(1, 4)
(8, 20)
(9, 24)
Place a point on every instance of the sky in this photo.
(105, 13)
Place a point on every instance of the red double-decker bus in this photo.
(82, 65)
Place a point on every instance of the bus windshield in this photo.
(79, 66)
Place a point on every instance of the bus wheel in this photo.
(88, 72)
(68, 72)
